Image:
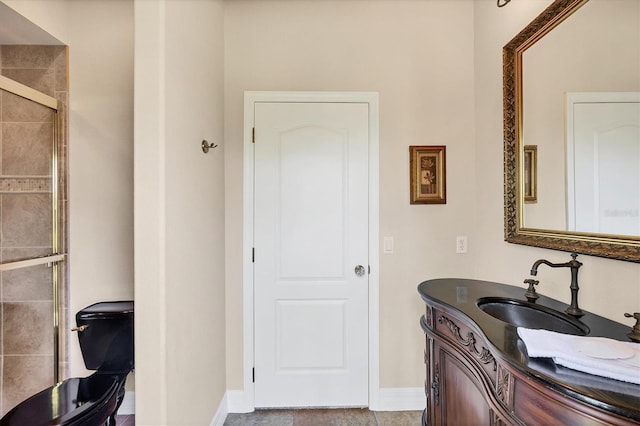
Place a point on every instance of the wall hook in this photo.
(206, 146)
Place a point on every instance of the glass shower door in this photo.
(30, 243)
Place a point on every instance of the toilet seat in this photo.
(106, 337)
(73, 402)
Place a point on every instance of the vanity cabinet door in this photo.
(458, 396)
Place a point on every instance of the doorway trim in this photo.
(250, 98)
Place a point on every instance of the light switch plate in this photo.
(387, 247)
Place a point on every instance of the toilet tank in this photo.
(106, 336)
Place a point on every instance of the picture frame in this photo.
(427, 164)
(530, 175)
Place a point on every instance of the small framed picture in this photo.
(428, 174)
(530, 173)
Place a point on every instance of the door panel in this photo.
(296, 348)
(311, 231)
(306, 153)
(603, 163)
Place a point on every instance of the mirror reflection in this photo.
(581, 112)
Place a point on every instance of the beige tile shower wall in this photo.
(101, 135)
(26, 135)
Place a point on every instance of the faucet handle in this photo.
(635, 332)
(531, 294)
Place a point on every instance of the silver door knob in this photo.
(360, 271)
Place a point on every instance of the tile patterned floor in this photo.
(319, 417)
(328, 417)
(128, 420)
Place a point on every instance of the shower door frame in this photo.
(53, 260)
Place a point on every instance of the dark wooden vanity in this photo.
(478, 371)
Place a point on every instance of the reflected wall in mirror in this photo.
(576, 60)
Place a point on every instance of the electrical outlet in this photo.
(461, 244)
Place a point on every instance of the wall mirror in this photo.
(576, 64)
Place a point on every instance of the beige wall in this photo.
(195, 211)
(418, 55)
(607, 287)
(50, 15)
(437, 66)
(179, 212)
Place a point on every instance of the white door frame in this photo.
(247, 402)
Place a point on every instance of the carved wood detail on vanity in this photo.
(435, 385)
(496, 420)
(504, 387)
(429, 317)
(469, 342)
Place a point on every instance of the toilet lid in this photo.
(73, 401)
(107, 310)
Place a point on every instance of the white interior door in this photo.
(310, 236)
(603, 141)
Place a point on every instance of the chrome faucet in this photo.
(573, 309)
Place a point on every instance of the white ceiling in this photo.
(16, 29)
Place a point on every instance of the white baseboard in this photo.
(221, 412)
(239, 402)
(390, 399)
(235, 401)
(401, 399)
(128, 406)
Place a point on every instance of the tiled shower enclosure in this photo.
(33, 200)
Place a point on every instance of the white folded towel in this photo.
(594, 355)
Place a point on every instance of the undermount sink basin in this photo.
(520, 313)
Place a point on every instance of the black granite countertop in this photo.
(461, 295)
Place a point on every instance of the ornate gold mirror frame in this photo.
(610, 246)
